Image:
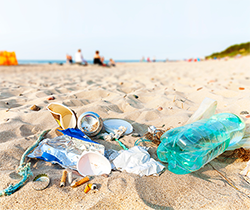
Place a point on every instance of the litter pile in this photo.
(185, 149)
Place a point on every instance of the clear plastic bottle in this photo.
(188, 148)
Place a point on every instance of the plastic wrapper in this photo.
(206, 110)
(138, 161)
(64, 150)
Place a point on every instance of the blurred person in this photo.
(69, 59)
(98, 59)
(111, 62)
(79, 58)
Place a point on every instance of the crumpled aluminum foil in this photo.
(64, 150)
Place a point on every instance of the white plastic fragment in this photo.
(138, 161)
(245, 171)
(115, 134)
(152, 129)
(205, 110)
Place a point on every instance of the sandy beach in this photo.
(168, 94)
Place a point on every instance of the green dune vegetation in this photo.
(232, 51)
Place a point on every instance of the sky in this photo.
(122, 30)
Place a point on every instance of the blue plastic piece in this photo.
(77, 133)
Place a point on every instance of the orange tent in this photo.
(8, 58)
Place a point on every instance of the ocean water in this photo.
(64, 61)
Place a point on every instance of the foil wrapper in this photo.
(64, 150)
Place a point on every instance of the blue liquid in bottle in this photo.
(188, 148)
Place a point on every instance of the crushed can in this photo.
(90, 123)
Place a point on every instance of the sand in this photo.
(168, 94)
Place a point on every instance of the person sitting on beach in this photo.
(111, 62)
(97, 59)
(79, 58)
(143, 59)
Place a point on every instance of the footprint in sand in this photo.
(117, 185)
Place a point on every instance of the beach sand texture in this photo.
(177, 87)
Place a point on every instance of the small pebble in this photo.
(105, 175)
(136, 135)
(51, 98)
(244, 112)
(199, 88)
(160, 108)
(136, 96)
(6, 103)
(35, 108)
(20, 94)
(241, 88)
(121, 83)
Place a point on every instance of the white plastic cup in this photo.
(93, 163)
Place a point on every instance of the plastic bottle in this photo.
(188, 148)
